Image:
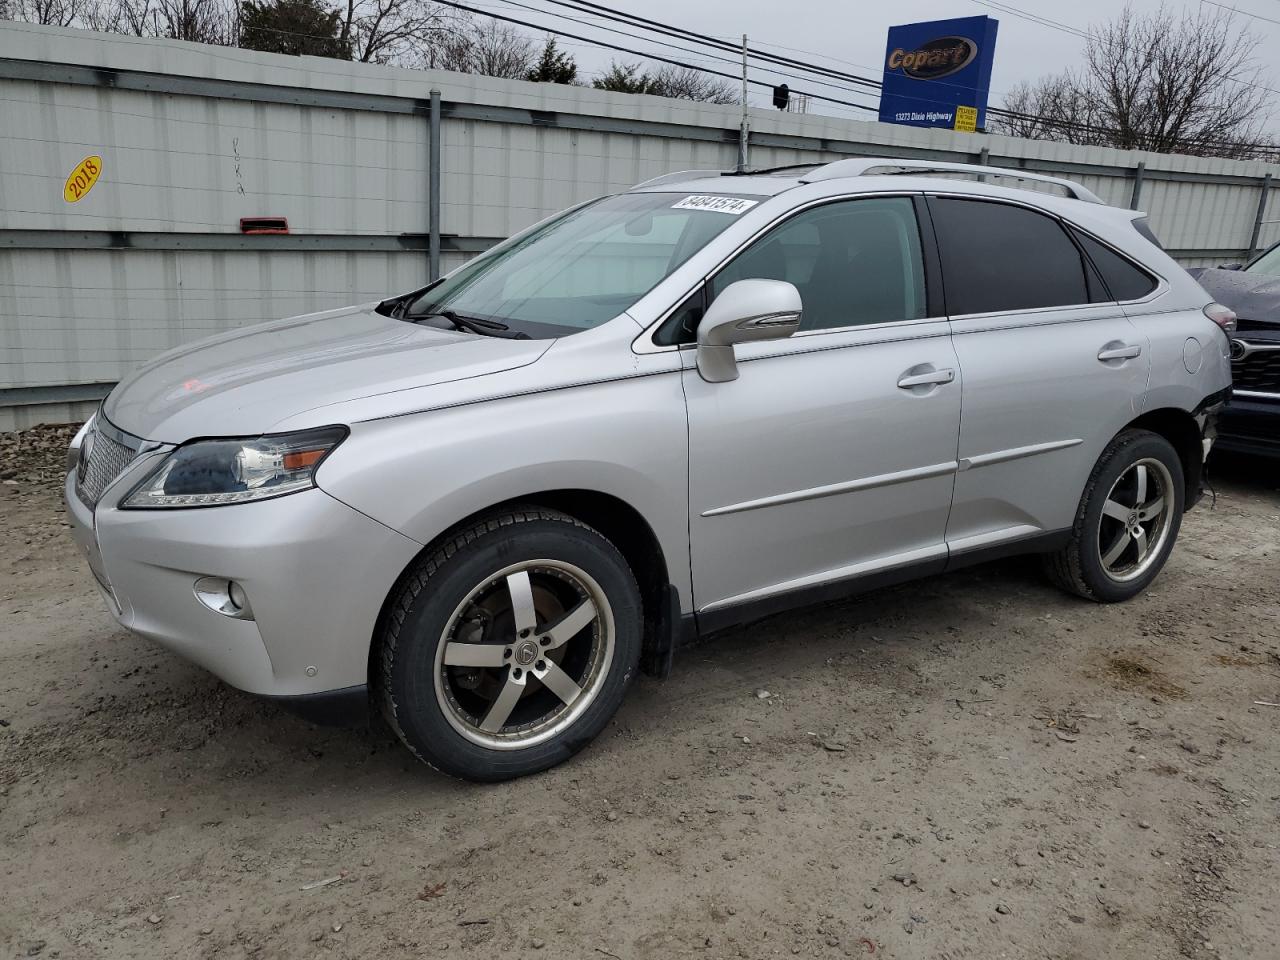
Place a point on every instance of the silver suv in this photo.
(484, 505)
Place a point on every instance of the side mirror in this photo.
(746, 310)
(1231, 266)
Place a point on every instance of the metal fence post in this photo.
(1138, 171)
(1257, 220)
(433, 192)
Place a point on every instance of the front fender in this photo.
(421, 474)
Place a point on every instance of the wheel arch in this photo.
(1182, 431)
(617, 521)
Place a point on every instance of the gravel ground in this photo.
(972, 766)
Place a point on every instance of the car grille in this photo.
(1259, 367)
(104, 454)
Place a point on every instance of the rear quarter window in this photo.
(1124, 279)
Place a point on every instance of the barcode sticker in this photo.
(730, 205)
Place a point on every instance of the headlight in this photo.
(209, 473)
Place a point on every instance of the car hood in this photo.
(244, 382)
(1252, 296)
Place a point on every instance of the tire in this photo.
(1105, 559)
(490, 633)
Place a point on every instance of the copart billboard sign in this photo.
(937, 74)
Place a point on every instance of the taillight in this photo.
(1224, 317)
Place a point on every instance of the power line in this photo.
(710, 56)
(634, 20)
(1032, 17)
(1085, 35)
(719, 45)
(772, 63)
(1255, 16)
(651, 56)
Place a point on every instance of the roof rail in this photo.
(678, 175)
(866, 166)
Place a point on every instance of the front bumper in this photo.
(1250, 425)
(316, 573)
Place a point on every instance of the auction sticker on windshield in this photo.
(730, 205)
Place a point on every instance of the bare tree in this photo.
(679, 83)
(1159, 82)
(388, 31)
(200, 21)
(487, 47)
(120, 16)
(499, 50)
(1052, 108)
(686, 83)
(57, 13)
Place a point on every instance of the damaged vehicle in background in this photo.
(1251, 421)
(486, 504)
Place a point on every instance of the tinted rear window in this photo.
(1124, 280)
(996, 256)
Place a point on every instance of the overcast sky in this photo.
(850, 34)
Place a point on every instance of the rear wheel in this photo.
(511, 646)
(1127, 521)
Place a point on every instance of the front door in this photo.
(834, 452)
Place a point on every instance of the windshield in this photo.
(1268, 264)
(585, 267)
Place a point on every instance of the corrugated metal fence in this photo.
(192, 138)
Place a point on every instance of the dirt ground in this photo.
(972, 766)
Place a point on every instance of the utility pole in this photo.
(743, 130)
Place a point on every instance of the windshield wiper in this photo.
(488, 328)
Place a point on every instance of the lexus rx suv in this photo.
(485, 505)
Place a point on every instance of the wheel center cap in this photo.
(1133, 519)
(526, 653)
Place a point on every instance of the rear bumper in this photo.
(316, 573)
(1250, 425)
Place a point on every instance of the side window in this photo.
(1124, 280)
(996, 256)
(853, 261)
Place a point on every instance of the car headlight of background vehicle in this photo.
(210, 473)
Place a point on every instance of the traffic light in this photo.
(781, 96)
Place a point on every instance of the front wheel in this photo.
(1127, 521)
(510, 647)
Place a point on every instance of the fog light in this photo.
(224, 596)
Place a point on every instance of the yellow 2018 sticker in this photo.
(82, 179)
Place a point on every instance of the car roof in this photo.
(757, 185)
(856, 175)
(891, 174)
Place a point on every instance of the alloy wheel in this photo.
(1135, 520)
(524, 654)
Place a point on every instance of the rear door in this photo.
(1052, 368)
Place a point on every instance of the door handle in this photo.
(1120, 351)
(924, 379)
